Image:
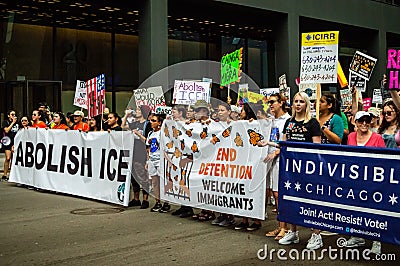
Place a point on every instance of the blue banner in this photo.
(344, 189)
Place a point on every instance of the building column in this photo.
(287, 51)
(153, 37)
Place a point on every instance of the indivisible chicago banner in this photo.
(215, 166)
(343, 189)
(93, 165)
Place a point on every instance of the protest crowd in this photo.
(376, 127)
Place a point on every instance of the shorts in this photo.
(153, 167)
(274, 175)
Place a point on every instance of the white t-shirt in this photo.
(153, 143)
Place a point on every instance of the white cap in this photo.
(235, 109)
(360, 114)
(78, 113)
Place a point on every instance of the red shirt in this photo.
(40, 124)
(60, 126)
(82, 126)
(374, 141)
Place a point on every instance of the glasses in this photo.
(299, 101)
(153, 120)
(271, 102)
(24, 120)
(387, 113)
(362, 120)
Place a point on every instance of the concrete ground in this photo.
(45, 228)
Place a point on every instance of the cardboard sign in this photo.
(362, 65)
(361, 84)
(393, 66)
(367, 103)
(269, 91)
(80, 98)
(152, 96)
(310, 89)
(243, 96)
(230, 67)
(282, 82)
(377, 96)
(188, 92)
(319, 57)
(164, 110)
(346, 97)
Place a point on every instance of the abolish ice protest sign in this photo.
(95, 165)
(343, 189)
(319, 57)
(188, 92)
(215, 166)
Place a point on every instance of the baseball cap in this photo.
(200, 104)
(235, 109)
(78, 113)
(360, 114)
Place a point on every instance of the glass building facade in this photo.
(46, 46)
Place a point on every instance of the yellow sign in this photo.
(319, 38)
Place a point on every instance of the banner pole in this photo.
(317, 100)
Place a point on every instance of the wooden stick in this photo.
(317, 100)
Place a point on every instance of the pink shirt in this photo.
(374, 141)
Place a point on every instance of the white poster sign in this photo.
(188, 92)
(377, 96)
(95, 165)
(152, 96)
(80, 98)
(310, 89)
(319, 57)
(213, 166)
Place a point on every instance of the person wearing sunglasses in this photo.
(390, 123)
(363, 136)
(38, 119)
(24, 123)
(10, 128)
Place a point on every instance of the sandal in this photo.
(281, 234)
(207, 216)
(273, 233)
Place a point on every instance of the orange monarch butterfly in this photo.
(238, 140)
(176, 133)
(254, 137)
(189, 132)
(227, 132)
(214, 139)
(177, 153)
(204, 134)
(170, 145)
(194, 147)
(182, 144)
(166, 131)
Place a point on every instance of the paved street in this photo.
(48, 228)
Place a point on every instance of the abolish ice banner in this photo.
(95, 165)
(343, 189)
(215, 166)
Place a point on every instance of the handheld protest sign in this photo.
(393, 66)
(362, 65)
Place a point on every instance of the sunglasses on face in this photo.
(299, 101)
(387, 113)
(271, 102)
(153, 120)
(24, 120)
(362, 120)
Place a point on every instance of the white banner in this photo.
(80, 98)
(95, 165)
(152, 96)
(188, 92)
(217, 167)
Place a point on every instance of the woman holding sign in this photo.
(301, 127)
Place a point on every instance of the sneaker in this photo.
(177, 212)
(165, 208)
(145, 204)
(254, 227)
(218, 220)
(134, 203)
(376, 247)
(157, 207)
(227, 222)
(327, 233)
(289, 238)
(241, 226)
(4, 178)
(315, 242)
(187, 213)
(354, 242)
(272, 200)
